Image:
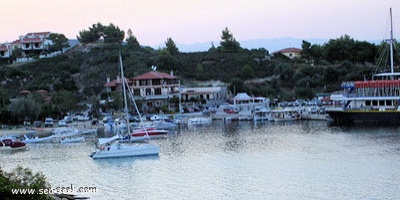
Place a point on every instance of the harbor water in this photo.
(235, 160)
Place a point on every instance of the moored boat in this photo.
(142, 134)
(199, 121)
(112, 148)
(117, 149)
(34, 138)
(370, 101)
(11, 145)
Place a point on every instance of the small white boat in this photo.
(70, 132)
(36, 139)
(72, 140)
(114, 147)
(199, 121)
(285, 115)
(116, 150)
(262, 114)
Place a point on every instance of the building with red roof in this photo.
(5, 50)
(34, 43)
(289, 52)
(154, 88)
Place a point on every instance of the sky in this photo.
(197, 21)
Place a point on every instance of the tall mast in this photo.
(124, 89)
(391, 42)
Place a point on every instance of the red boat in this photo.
(9, 144)
(140, 134)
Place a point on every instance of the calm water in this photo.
(239, 160)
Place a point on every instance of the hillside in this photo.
(85, 68)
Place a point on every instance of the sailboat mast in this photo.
(391, 42)
(124, 90)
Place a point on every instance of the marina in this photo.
(234, 160)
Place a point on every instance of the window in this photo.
(157, 91)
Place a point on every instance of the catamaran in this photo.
(113, 147)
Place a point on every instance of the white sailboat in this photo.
(113, 148)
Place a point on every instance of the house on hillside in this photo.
(5, 50)
(34, 43)
(291, 53)
(153, 88)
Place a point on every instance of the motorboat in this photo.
(70, 132)
(72, 140)
(142, 134)
(279, 115)
(10, 145)
(199, 121)
(34, 138)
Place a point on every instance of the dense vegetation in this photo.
(79, 74)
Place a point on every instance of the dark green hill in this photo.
(84, 70)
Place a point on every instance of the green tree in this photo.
(131, 40)
(306, 50)
(259, 53)
(63, 101)
(59, 42)
(111, 34)
(22, 178)
(228, 42)
(171, 47)
(316, 53)
(25, 108)
(246, 72)
(340, 49)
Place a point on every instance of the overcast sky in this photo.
(195, 21)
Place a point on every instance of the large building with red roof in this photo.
(31, 44)
(34, 43)
(154, 88)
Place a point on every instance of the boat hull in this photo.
(365, 116)
(122, 150)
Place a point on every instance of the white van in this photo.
(48, 122)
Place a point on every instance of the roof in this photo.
(16, 42)
(242, 97)
(30, 40)
(154, 75)
(38, 34)
(288, 50)
(112, 83)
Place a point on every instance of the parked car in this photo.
(68, 119)
(62, 123)
(48, 122)
(37, 124)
